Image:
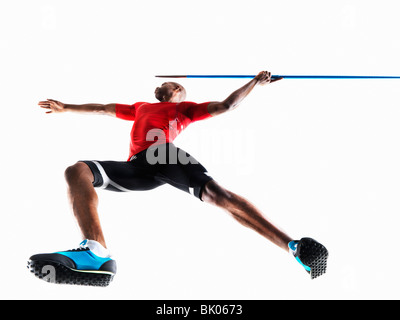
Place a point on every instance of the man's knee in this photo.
(78, 171)
(215, 194)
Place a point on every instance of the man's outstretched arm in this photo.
(55, 106)
(230, 103)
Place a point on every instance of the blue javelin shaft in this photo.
(281, 76)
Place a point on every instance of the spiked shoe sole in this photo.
(314, 255)
(54, 272)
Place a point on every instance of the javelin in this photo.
(279, 77)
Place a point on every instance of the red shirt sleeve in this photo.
(194, 111)
(125, 111)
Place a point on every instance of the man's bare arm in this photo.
(230, 103)
(55, 106)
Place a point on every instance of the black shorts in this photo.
(150, 169)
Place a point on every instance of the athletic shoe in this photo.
(311, 255)
(89, 265)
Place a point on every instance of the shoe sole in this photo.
(54, 272)
(314, 255)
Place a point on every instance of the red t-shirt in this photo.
(158, 123)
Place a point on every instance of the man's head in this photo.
(170, 92)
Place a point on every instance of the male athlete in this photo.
(153, 161)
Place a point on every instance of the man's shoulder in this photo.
(187, 103)
(141, 103)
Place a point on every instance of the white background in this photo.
(319, 157)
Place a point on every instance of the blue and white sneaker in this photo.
(311, 255)
(89, 265)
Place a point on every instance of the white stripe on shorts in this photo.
(106, 180)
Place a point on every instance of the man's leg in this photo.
(244, 212)
(84, 201)
(90, 264)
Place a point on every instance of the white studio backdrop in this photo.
(319, 157)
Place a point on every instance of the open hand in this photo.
(52, 105)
